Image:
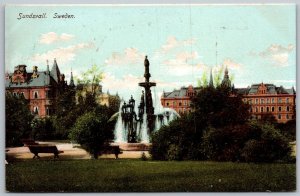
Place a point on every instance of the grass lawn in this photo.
(150, 176)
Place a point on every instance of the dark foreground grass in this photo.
(150, 176)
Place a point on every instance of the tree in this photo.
(93, 132)
(219, 108)
(65, 113)
(18, 119)
(92, 77)
(269, 147)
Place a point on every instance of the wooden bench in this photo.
(111, 150)
(36, 149)
(28, 142)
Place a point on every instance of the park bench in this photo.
(111, 150)
(28, 142)
(36, 149)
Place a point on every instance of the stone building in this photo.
(39, 87)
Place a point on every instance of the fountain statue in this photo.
(135, 127)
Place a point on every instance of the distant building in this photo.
(268, 99)
(264, 99)
(101, 98)
(179, 100)
(39, 87)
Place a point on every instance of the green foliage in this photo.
(218, 129)
(18, 118)
(270, 146)
(218, 76)
(66, 113)
(288, 129)
(218, 108)
(43, 129)
(92, 131)
(178, 141)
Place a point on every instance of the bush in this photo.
(178, 141)
(93, 132)
(271, 146)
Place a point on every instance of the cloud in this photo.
(278, 55)
(230, 64)
(172, 43)
(51, 37)
(120, 84)
(128, 57)
(63, 54)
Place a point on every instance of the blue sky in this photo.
(256, 43)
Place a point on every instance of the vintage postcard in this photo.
(150, 98)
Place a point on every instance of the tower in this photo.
(226, 81)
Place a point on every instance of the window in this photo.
(256, 100)
(262, 109)
(256, 109)
(35, 95)
(36, 110)
(250, 101)
(262, 100)
(185, 103)
(287, 100)
(22, 93)
(47, 111)
(167, 103)
(179, 103)
(14, 94)
(279, 100)
(268, 100)
(287, 108)
(174, 103)
(279, 109)
(273, 100)
(273, 109)
(279, 116)
(268, 109)
(287, 116)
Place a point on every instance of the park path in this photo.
(71, 151)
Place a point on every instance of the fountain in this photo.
(133, 127)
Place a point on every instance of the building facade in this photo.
(264, 99)
(268, 99)
(179, 100)
(39, 87)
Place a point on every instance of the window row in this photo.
(270, 109)
(36, 111)
(35, 94)
(279, 116)
(267, 100)
(174, 103)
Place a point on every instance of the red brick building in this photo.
(268, 99)
(264, 99)
(39, 87)
(179, 100)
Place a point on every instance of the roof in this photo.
(271, 89)
(43, 79)
(178, 93)
(55, 73)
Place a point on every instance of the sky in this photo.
(257, 43)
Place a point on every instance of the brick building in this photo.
(39, 87)
(179, 100)
(264, 99)
(268, 99)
